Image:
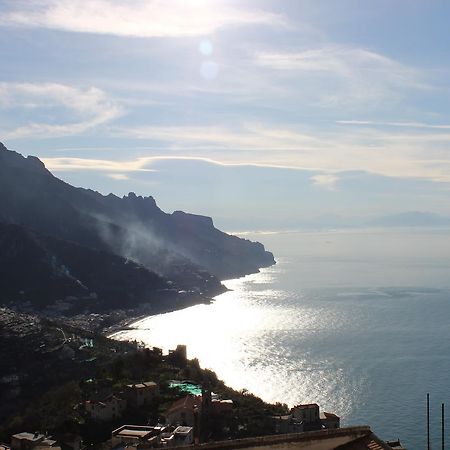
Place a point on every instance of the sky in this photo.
(263, 114)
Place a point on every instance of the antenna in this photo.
(442, 426)
(428, 421)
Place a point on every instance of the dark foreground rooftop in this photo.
(351, 438)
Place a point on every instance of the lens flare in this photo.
(209, 70)
(205, 47)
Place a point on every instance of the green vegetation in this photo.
(60, 410)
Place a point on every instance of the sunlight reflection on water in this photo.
(355, 321)
(258, 339)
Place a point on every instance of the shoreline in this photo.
(114, 321)
(125, 324)
(144, 311)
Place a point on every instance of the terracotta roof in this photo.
(368, 442)
(187, 402)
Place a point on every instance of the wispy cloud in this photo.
(64, 110)
(414, 155)
(61, 164)
(118, 176)
(345, 74)
(394, 124)
(335, 58)
(137, 18)
(326, 180)
(143, 164)
(247, 136)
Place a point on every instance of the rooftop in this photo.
(29, 436)
(183, 430)
(134, 431)
(326, 415)
(47, 443)
(187, 402)
(397, 445)
(307, 406)
(351, 438)
(284, 417)
(142, 385)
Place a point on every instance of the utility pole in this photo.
(442, 426)
(428, 421)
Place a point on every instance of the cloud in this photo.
(118, 176)
(247, 136)
(136, 18)
(142, 164)
(334, 58)
(61, 164)
(409, 154)
(67, 110)
(394, 124)
(325, 180)
(344, 74)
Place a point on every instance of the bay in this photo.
(355, 320)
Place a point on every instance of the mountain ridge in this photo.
(182, 248)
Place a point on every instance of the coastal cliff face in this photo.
(75, 226)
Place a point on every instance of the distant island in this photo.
(73, 251)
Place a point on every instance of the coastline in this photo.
(114, 321)
(202, 329)
(144, 311)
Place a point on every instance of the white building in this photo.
(28, 441)
(179, 437)
(136, 435)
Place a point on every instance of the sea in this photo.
(357, 321)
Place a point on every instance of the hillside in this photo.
(51, 353)
(60, 366)
(55, 276)
(177, 245)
